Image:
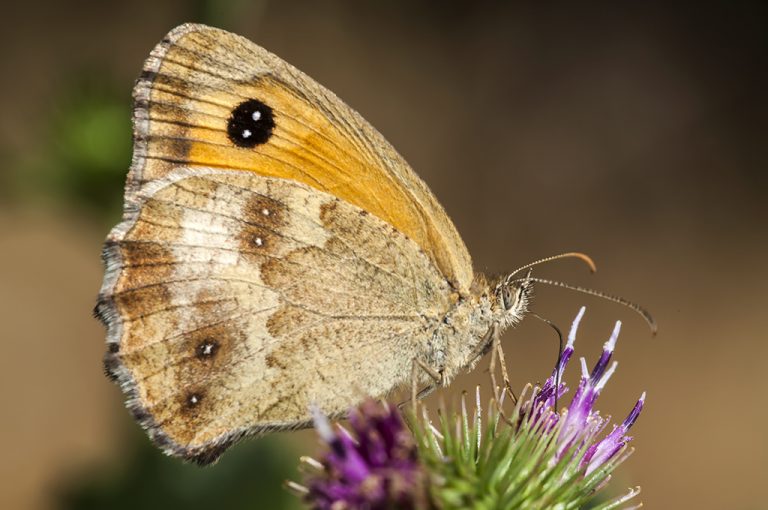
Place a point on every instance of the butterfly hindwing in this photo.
(234, 301)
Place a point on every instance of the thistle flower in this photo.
(528, 457)
(581, 422)
(375, 466)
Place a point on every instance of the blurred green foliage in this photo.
(91, 145)
(248, 476)
(86, 149)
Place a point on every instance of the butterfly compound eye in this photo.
(509, 296)
(250, 124)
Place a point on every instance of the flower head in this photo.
(373, 466)
(581, 423)
(531, 456)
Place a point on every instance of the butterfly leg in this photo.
(416, 394)
(486, 343)
(504, 373)
(492, 342)
(437, 376)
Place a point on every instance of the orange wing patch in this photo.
(198, 75)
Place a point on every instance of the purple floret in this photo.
(374, 466)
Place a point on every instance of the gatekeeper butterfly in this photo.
(276, 253)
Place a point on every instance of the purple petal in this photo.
(568, 351)
(374, 465)
(347, 460)
(604, 450)
(605, 377)
(545, 398)
(605, 357)
(633, 415)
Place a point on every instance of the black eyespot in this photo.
(250, 124)
(193, 399)
(258, 241)
(207, 348)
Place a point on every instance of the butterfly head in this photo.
(513, 293)
(513, 298)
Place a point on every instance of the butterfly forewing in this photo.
(193, 84)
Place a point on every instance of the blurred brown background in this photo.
(635, 132)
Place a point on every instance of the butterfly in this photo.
(276, 253)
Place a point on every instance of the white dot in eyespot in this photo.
(258, 241)
(265, 212)
(256, 115)
(207, 349)
(247, 133)
(193, 399)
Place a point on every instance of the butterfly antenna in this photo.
(573, 254)
(616, 299)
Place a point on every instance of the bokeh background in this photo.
(637, 132)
